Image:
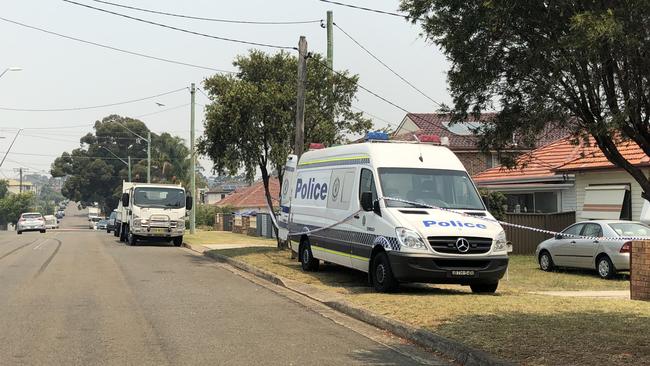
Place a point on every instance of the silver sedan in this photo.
(602, 251)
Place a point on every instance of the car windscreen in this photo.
(159, 197)
(434, 187)
(32, 216)
(113, 215)
(630, 229)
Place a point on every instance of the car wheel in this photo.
(131, 239)
(19, 232)
(546, 261)
(382, 275)
(484, 288)
(178, 241)
(42, 231)
(307, 260)
(605, 267)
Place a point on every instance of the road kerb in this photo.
(460, 352)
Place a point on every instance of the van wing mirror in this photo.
(189, 203)
(125, 199)
(366, 201)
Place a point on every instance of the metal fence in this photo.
(227, 222)
(525, 241)
(265, 226)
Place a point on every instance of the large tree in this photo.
(250, 124)
(582, 64)
(95, 174)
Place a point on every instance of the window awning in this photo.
(604, 202)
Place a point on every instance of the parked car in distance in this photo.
(51, 222)
(102, 224)
(30, 221)
(602, 251)
(61, 213)
(111, 221)
(92, 222)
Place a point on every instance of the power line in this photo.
(115, 48)
(386, 66)
(182, 29)
(368, 9)
(210, 19)
(70, 156)
(90, 107)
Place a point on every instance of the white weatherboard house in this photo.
(604, 191)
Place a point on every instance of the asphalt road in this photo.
(79, 297)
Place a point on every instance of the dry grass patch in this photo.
(513, 324)
(224, 237)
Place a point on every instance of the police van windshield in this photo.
(159, 197)
(433, 187)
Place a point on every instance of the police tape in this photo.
(549, 232)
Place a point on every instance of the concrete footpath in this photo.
(460, 352)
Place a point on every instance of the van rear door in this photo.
(285, 196)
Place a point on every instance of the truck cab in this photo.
(154, 212)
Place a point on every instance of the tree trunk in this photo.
(269, 201)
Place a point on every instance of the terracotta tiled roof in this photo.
(539, 163)
(437, 124)
(253, 196)
(592, 158)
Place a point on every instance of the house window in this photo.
(536, 202)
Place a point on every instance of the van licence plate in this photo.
(462, 273)
(158, 230)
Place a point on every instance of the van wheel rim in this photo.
(380, 273)
(544, 262)
(603, 268)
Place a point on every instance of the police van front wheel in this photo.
(484, 288)
(307, 260)
(382, 275)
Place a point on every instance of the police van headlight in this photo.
(500, 242)
(410, 239)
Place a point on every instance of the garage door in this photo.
(604, 202)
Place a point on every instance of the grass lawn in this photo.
(224, 237)
(513, 324)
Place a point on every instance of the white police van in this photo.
(368, 206)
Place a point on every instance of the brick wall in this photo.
(640, 271)
(474, 162)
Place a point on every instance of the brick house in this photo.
(252, 198)
(462, 140)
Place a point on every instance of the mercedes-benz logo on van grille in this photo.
(462, 245)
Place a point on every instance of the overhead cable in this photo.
(252, 43)
(386, 66)
(88, 107)
(115, 48)
(254, 22)
(368, 9)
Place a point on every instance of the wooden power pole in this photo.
(299, 143)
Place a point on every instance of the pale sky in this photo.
(61, 73)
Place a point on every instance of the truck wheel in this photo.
(484, 288)
(178, 241)
(131, 239)
(382, 275)
(307, 260)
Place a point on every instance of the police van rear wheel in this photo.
(484, 288)
(307, 260)
(382, 275)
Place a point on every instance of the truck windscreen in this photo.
(434, 187)
(159, 197)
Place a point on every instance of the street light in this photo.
(11, 69)
(120, 159)
(148, 139)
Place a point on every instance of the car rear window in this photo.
(32, 216)
(630, 229)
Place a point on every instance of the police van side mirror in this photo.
(366, 201)
(125, 199)
(188, 202)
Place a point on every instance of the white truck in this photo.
(154, 212)
(401, 212)
(93, 212)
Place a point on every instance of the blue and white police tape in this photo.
(424, 205)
